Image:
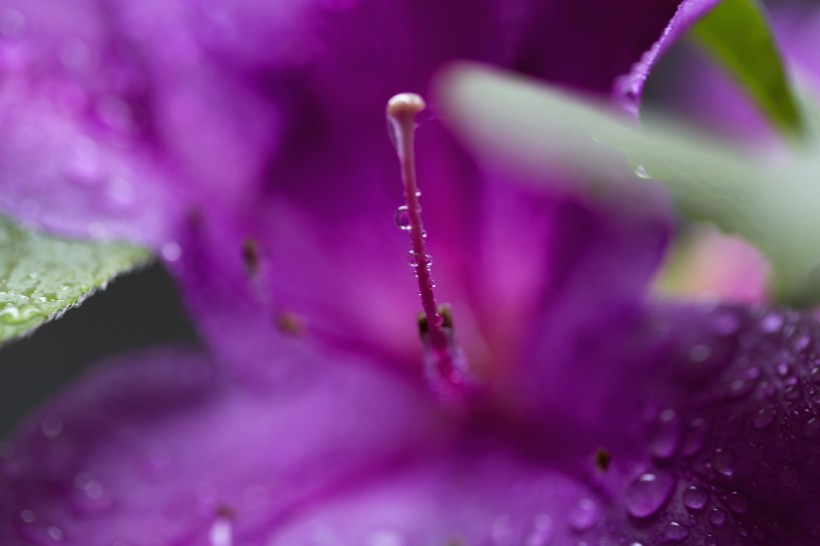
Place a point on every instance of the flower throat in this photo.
(445, 364)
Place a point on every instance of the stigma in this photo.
(445, 365)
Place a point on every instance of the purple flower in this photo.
(579, 415)
(245, 139)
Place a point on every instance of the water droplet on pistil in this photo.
(402, 218)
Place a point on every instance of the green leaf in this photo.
(531, 128)
(737, 34)
(42, 276)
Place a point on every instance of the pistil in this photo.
(445, 362)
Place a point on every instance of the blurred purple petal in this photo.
(151, 449)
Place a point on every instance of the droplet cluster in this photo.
(742, 436)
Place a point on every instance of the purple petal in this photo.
(733, 411)
(480, 498)
(152, 449)
(720, 445)
(629, 88)
(113, 116)
(194, 103)
(565, 41)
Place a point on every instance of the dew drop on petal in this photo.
(27, 516)
(385, 537)
(402, 218)
(647, 493)
(55, 533)
(675, 531)
(502, 530)
(801, 343)
(771, 323)
(583, 515)
(695, 436)
(542, 531)
(717, 516)
(788, 476)
(812, 428)
(723, 462)
(51, 427)
(725, 322)
(695, 498)
(737, 502)
(171, 251)
(664, 438)
(700, 353)
(741, 388)
(12, 23)
(764, 418)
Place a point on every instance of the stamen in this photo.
(444, 360)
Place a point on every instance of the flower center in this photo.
(445, 363)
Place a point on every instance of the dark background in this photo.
(138, 309)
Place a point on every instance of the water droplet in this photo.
(75, 55)
(116, 113)
(815, 376)
(741, 388)
(91, 498)
(502, 530)
(675, 531)
(647, 493)
(12, 314)
(695, 498)
(385, 537)
(51, 427)
(119, 193)
(717, 516)
(640, 171)
(664, 439)
(542, 530)
(788, 476)
(55, 533)
(764, 418)
(695, 436)
(783, 369)
(402, 218)
(700, 353)
(723, 462)
(725, 322)
(171, 251)
(583, 515)
(771, 323)
(737, 502)
(812, 428)
(412, 258)
(84, 167)
(12, 23)
(801, 343)
(793, 392)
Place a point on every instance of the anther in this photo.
(445, 363)
(250, 256)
